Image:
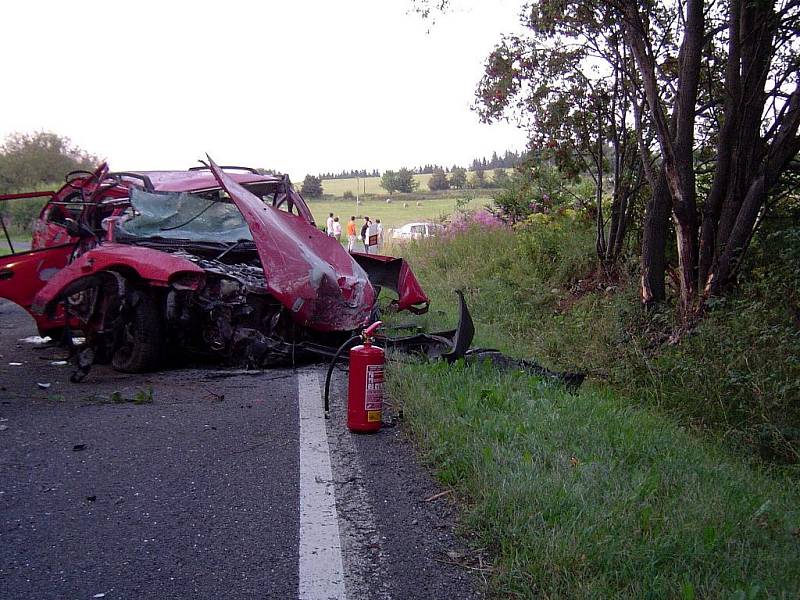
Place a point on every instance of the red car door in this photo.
(23, 275)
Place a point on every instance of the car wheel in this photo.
(139, 348)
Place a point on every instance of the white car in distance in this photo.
(416, 231)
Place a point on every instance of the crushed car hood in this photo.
(310, 273)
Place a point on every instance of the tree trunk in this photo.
(654, 243)
(676, 153)
(629, 197)
(600, 241)
(722, 171)
(784, 148)
(616, 212)
(756, 35)
(728, 262)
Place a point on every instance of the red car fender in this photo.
(395, 274)
(153, 266)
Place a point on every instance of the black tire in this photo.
(141, 340)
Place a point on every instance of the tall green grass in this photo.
(513, 282)
(587, 497)
(643, 485)
(737, 374)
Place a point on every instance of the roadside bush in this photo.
(533, 292)
(463, 221)
(738, 371)
(558, 245)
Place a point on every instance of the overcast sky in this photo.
(301, 86)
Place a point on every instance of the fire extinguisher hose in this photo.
(341, 349)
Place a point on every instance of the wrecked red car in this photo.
(215, 261)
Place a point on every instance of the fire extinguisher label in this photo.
(373, 399)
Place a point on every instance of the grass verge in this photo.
(612, 492)
(585, 496)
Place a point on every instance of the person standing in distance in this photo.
(365, 234)
(379, 227)
(351, 234)
(337, 229)
(329, 224)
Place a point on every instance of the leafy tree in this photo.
(477, 179)
(580, 116)
(312, 187)
(458, 177)
(536, 186)
(500, 178)
(30, 159)
(389, 181)
(438, 180)
(713, 95)
(405, 181)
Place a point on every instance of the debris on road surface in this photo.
(437, 496)
(213, 396)
(142, 396)
(37, 340)
(15, 364)
(43, 386)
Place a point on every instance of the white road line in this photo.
(320, 556)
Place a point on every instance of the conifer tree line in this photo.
(509, 159)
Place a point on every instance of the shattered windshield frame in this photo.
(203, 217)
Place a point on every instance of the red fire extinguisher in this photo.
(365, 387)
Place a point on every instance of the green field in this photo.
(391, 215)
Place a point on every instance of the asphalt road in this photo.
(197, 493)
